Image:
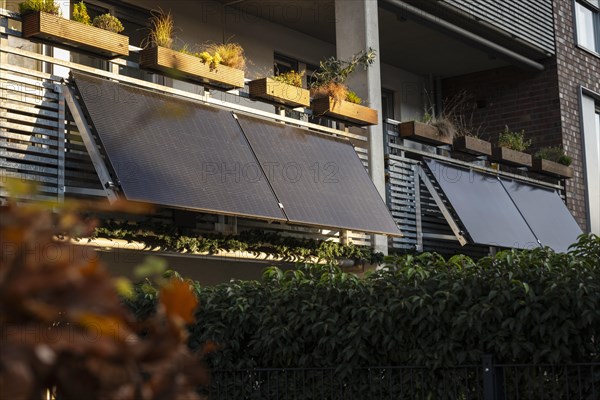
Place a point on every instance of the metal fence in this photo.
(485, 381)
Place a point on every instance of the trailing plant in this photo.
(47, 6)
(80, 13)
(513, 140)
(352, 97)
(292, 78)
(108, 22)
(157, 236)
(330, 78)
(161, 31)
(556, 154)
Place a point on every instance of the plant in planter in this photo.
(460, 110)
(511, 147)
(553, 161)
(108, 23)
(219, 65)
(331, 95)
(438, 130)
(285, 88)
(80, 13)
(33, 6)
(41, 20)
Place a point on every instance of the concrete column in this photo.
(357, 29)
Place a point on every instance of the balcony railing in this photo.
(40, 142)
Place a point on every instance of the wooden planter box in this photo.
(345, 111)
(279, 92)
(512, 157)
(552, 168)
(422, 132)
(473, 145)
(54, 29)
(184, 66)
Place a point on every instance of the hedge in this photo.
(533, 306)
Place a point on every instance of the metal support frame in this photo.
(90, 144)
(440, 203)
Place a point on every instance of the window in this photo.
(591, 143)
(587, 17)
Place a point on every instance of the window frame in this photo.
(595, 9)
(595, 97)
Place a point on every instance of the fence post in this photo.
(492, 379)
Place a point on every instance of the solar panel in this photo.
(319, 179)
(483, 206)
(177, 153)
(546, 214)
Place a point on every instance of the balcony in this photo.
(42, 141)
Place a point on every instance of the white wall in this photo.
(408, 88)
(207, 21)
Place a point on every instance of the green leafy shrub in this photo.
(513, 140)
(47, 6)
(352, 97)
(556, 154)
(521, 306)
(80, 13)
(108, 22)
(292, 77)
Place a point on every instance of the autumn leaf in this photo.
(178, 300)
(104, 326)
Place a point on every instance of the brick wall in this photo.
(514, 97)
(575, 67)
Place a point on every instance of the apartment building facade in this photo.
(532, 67)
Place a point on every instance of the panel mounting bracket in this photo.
(88, 139)
(440, 203)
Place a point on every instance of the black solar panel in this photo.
(177, 153)
(546, 214)
(319, 179)
(483, 206)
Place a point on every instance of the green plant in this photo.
(108, 22)
(333, 70)
(556, 154)
(161, 32)
(229, 54)
(352, 97)
(80, 13)
(329, 79)
(513, 140)
(167, 238)
(290, 78)
(521, 306)
(47, 6)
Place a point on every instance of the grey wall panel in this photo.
(529, 20)
(177, 153)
